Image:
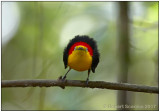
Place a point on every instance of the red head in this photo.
(90, 50)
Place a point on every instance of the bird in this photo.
(81, 54)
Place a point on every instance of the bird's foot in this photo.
(62, 79)
(87, 81)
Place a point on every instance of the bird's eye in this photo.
(86, 49)
(74, 48)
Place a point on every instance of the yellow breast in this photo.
(80, 60)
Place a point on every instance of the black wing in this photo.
(95, 59)
(65, 57)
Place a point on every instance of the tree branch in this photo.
(78, 83)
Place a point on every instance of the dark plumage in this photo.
(88, 40)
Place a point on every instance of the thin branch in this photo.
(78, 83)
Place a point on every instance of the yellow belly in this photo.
(80, 60)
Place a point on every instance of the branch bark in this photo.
(78, 83)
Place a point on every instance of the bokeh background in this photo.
(34, 35)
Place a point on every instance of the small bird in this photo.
(81, 54)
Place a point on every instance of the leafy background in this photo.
(35, 51)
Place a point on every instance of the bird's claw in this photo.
(87, 81)
(63, 78)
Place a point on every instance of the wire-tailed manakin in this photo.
(81, 54)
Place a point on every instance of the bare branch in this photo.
(78, 83)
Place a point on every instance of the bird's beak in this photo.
(80, 48)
